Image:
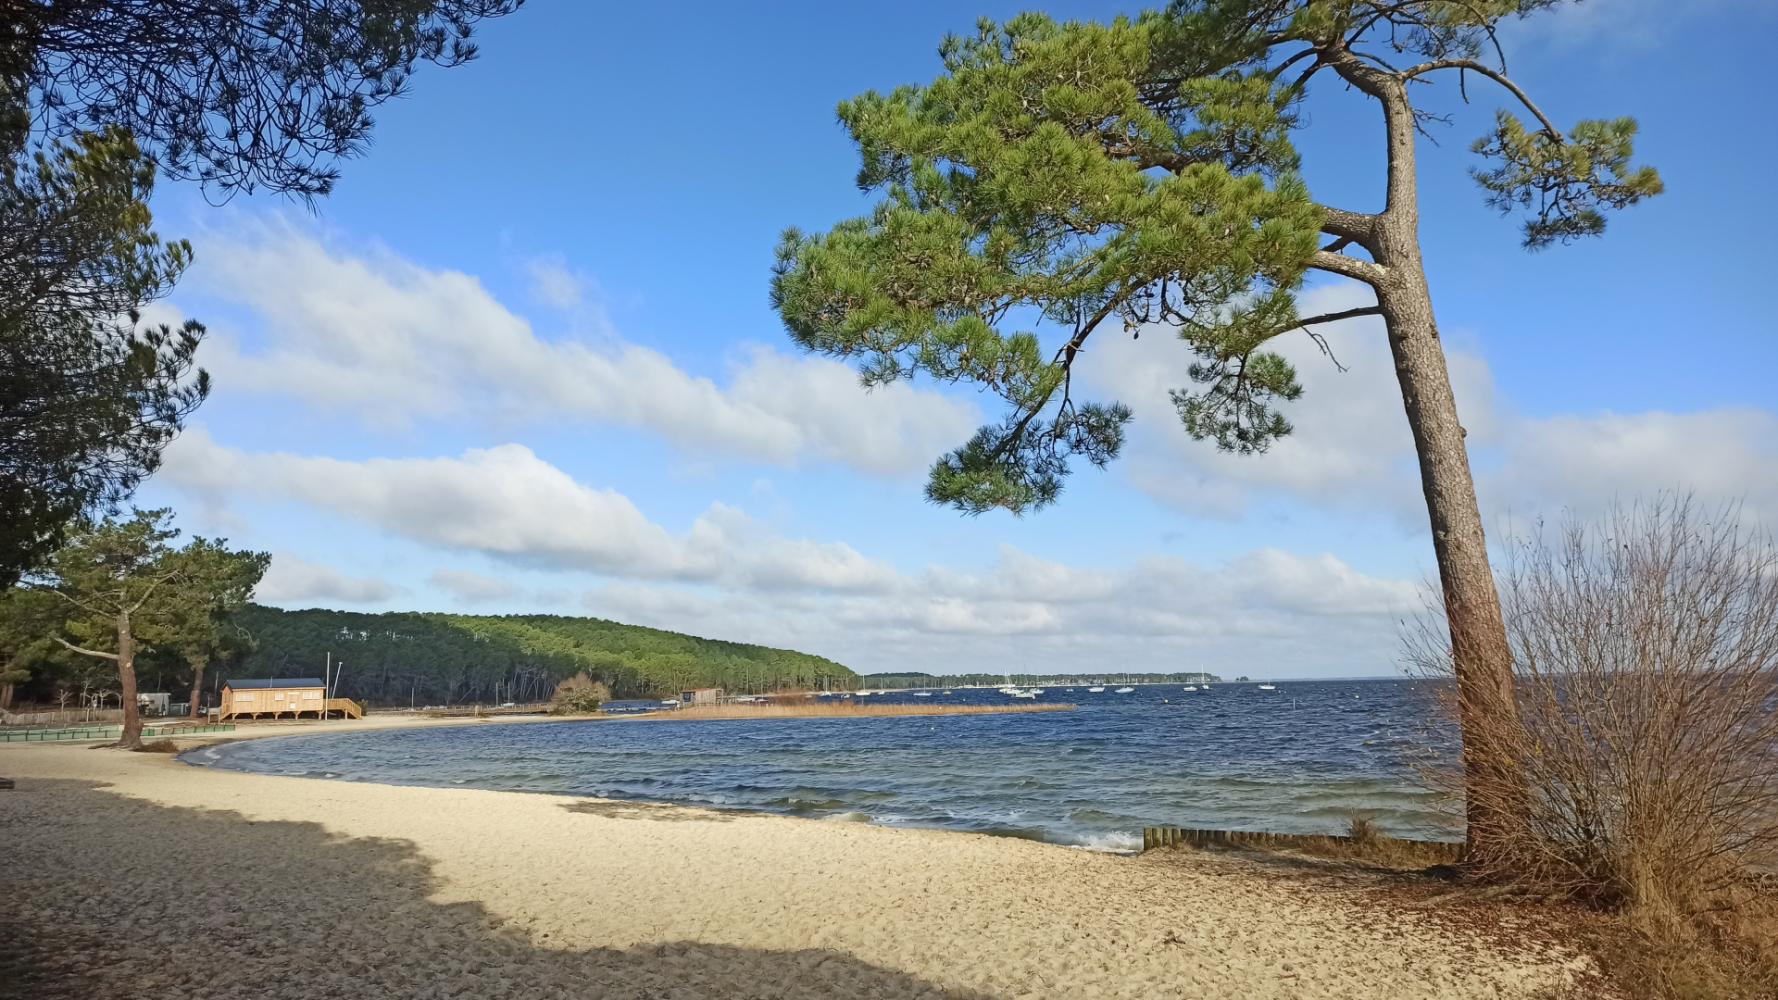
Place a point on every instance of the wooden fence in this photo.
(73, 733)
(1434, 851)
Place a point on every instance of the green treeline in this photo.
(431, 659)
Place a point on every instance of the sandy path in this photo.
(133, 875)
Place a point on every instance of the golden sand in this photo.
(139, 876)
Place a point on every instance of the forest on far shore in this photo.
(420, 658)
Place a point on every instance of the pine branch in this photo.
(84, 651)
(1349, 267)
(1492, 74)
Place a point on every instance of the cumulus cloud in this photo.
(1351, 450)
(395, 343)
(292, 580)
(1584, 463)
(1350, 447)
(508, 503)
(1268, 612)
(556, 284)
(472, 588)
(732, 576)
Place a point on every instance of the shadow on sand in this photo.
(102, 895)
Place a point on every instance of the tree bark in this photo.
(1482, 658)
(197, 686)
(126, 675)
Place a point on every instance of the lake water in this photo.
(1303, 758)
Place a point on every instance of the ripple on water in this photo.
(1304, 759)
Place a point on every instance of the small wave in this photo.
(1109, 843)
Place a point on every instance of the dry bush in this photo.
(1641, 771)
(158, 746)
(578, 695)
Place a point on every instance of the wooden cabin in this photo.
(281, 697)
(701, 696)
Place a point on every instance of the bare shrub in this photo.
(1364, 833)
(579, 695)
(1642, 768)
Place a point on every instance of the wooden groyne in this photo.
(1429, 851)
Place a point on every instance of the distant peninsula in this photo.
(401, 658)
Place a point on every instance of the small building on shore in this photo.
(280, 697)
(701, 696)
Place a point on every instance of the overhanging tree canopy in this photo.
(89, 395)
(238, 94)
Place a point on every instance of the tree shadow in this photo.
(659, 811)
(102, 895)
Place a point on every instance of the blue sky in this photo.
(523, 360)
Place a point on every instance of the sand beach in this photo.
(139, 876)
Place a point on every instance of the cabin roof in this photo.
(275, 682)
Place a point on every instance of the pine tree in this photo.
(89, 395)
(1141, 173)
(214, 582)
(118, 581)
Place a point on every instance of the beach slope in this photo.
(135, 875)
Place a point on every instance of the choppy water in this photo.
(1301, 759)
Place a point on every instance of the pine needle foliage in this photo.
(1062, 178)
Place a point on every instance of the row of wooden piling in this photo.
(1156, 837)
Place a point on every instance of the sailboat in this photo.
(1268, 687)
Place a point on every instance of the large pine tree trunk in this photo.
(1481, 656)
(126, 674)
(197, 686)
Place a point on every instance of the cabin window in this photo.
(311, 695)
(243, 697)
(278, 697)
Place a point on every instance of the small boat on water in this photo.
(1188, 687)
(1096, 690)
(1268, 687)
(944, 692)
(922, 694)
(1024, 694)
(1125, 690)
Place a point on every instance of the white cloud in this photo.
(392, 343)
(1351, 450)
(728, 575)
(1266, 613)
(1614, 27)
(1350, 447)
(508, 503)
(472, 588)
(555, 283)
(292, 580)
(1584, 463)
